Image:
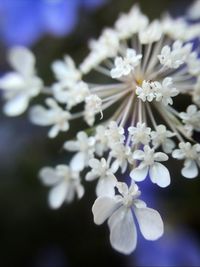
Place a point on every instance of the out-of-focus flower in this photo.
(24, 21)
(194, 11)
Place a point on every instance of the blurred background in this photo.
(32, 235)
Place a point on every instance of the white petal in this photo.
(138, 154)
(48, 176)
(123, 235)
(159, 174)
(138, 174)
(16, 105)
(40, 116)
(160, 156)
(78, 162)
(12, 81)
(115, 166)
(150, 223)
(103, 207)
(90, 176)
(80, 190)
(57, 195)
(53, 132)
(71, 146)
(190, 169)
(105, 186)
(22, 60)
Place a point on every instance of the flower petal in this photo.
(78, 162)
(57, 195)
(16, 105)
(105, 186)
(22, 60)
(150, 223)
(48, 176)
(103, 208)
(138, 174)
(159, 174)
(190, 169)
(40, 116)
(123, 235)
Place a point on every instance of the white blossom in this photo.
(193, 64)
(165, 91)
(119, 211)
(147, 91)
(191, 154)
(121, 155)
(150, 163)
(193, 11)
(65, 184)
(71, 96)
(191, 118)
(106, 181)
(140, 133)
(22, 84)
(162, 137)
(115, 134)
(93, 105)
(66, 72)
(101, 140)
(106, 46)
(54, 116)
(124, 66)
(173, 57)
(131, 23)
(151, 33)
(84, 146)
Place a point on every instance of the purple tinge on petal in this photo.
(59, 17)
(177, 248)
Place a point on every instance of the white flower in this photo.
(124, 66)
(191, 118)
(131, 23)
(150, 163)
(85, 147)
(193, 64)
(66, 72)
(93, 105)
(21, 85)
(166, 91)
(191, 154)
(115, 134)
(65, 184)
(162, 137)
(119, 212)
(140, 133)
(107, 180)
(101, 140)
(175, 56)
(71, 96)
(194, 10)
(147, 91)
(106, 46)
(54, 115)
(155, 90)
(152, 33)
(121, 155)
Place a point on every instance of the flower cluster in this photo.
(149, 64)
